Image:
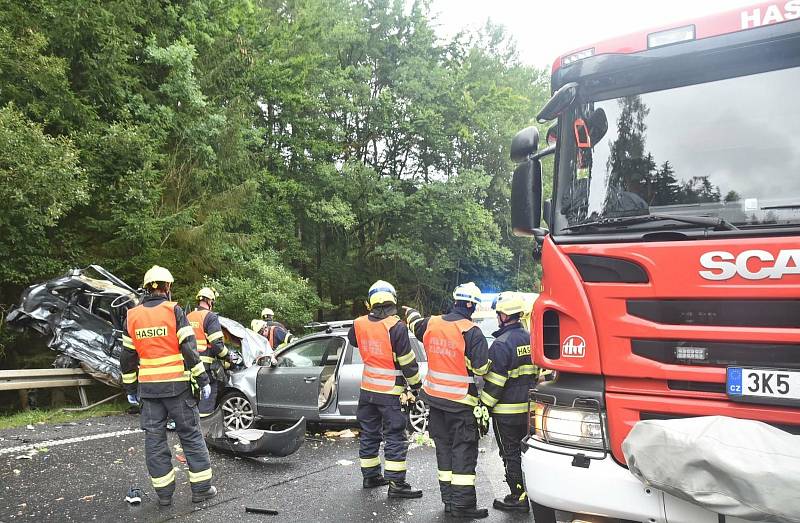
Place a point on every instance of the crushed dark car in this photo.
(82, 313)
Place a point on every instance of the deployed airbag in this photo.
(735, 467)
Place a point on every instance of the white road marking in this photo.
(58, 442)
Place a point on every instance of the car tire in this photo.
(418, 414)
(237, 411)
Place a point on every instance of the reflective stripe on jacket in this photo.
(375, 346)
(448, 377)
(156, 340)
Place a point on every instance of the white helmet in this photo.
(257, 325)
(381, 292)
(156, 275)
(467, 292)
(509, 303)
(267, 313)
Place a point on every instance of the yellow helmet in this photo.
(467, 292)
(267, 313)
(381, 292)
(509, 303)
(208, 293)
(257, 325)
(155, 275)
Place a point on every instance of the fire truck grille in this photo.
(718, 354)
(723, 313)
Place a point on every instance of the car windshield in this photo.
(728, 149)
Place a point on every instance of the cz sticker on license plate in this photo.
(763, 385)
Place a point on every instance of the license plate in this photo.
(772, 385)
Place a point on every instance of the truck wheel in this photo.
(542, 514)
(237, 412)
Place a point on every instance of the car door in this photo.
(291, 389)
(350, 381)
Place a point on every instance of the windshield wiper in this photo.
(719, 224)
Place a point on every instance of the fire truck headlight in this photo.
(568, 426)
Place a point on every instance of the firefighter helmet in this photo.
(257, 325)
(208, 293)
(381, 292)
(267, 313)
(509, 303)
(467, 292)
(157, 275)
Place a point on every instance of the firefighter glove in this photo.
(133, 399)
(481, 414)
(205, 392)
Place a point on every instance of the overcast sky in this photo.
(545, 29)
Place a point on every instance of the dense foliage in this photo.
(291, 151)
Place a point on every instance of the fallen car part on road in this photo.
(258, 510)
(252, 442)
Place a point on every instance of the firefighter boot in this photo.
(469, 513)
(374, 481)
(513, 503)
(403, 490)
(199, 497)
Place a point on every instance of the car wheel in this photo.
(542, 514)
(237, 412)
(418, 416)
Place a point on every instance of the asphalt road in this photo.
(86, 470)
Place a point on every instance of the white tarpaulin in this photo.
(729, 466)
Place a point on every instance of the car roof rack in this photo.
(329, 325)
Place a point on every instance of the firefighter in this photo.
(457, 352)
(505, 393)
(159, 363)
(276, 332)
(389, 363)
(210, 345)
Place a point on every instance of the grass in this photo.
(57, 415)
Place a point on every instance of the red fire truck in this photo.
(671, 257)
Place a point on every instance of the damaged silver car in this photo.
(317, 377)
(83, 311)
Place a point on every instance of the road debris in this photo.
(346, 433)
(181, 458)
(259, 510)
(17, 472)
(90, 497)
(29, 427)
(344, 462)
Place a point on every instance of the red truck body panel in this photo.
(597, 313)
(757, 15)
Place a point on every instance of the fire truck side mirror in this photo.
(560, 100)
(526, 199)
(524, 144)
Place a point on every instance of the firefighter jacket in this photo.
(208, 333)
(457, 352)
(275, 333)
(389, 360)
(159, 354)
(512, 375)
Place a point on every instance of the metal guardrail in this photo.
(46, 378)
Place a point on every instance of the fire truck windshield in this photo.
(727, 150)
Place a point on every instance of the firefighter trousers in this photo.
(456, 437)
(382, 423)
(509, 429)
(182, 409)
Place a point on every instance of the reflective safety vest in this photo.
(375, 346)
(155, 338)
(196, 320)
(447, 376)
(271, 335)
